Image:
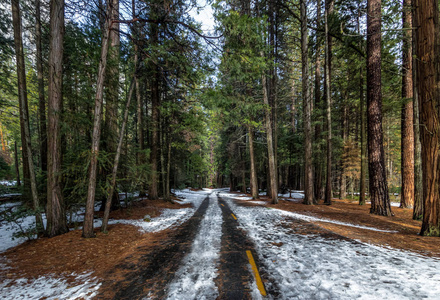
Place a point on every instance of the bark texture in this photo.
(407, 152)
(380, 201)
(56, 216)
(328, 57)
(112, 94)
(426, 20)
(308, 182)
(270, 148)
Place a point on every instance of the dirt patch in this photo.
(68, 253)
(138, 209)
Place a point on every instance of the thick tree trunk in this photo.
(328, 49)
(407, 161)
(41, 100)
(380, 201)
(24, 113)
(116, 162)
(56, 216)
(426, 20)
(253, 175)
(308, 188)
(96, 135)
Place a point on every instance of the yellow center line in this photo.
(234, 216)
(221, 204)
(260, 284)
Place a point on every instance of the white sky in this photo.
(204, 16)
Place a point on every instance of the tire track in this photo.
(158, 265)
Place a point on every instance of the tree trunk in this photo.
(22, 93)
(380, 201)
(167, 195)
(17, 168)
(293, 107)
(308, 188)
(363, 175)
(88, 217)
(112, 95)
(116, 162)
(418, 171)
(56, 216)
(253, 175)
(24, 113)
(407, 161)
(328, 49)
(363, 185)
(319, 164)
(155, 119)
(426, 20)
(269, 134)
(41, 100)
(343, 179)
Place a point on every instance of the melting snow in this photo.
(50, 288)
(314, 219)
(311, 267)
(195, 278)
(168, 218)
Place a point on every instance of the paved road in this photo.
(186, 266)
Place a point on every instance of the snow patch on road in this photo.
(312, 267)
(195, 278)
(85, 287)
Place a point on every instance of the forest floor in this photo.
(114, 265)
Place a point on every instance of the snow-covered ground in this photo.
(312, 267)
(300, 266)
(170, 217)
(85, 287)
